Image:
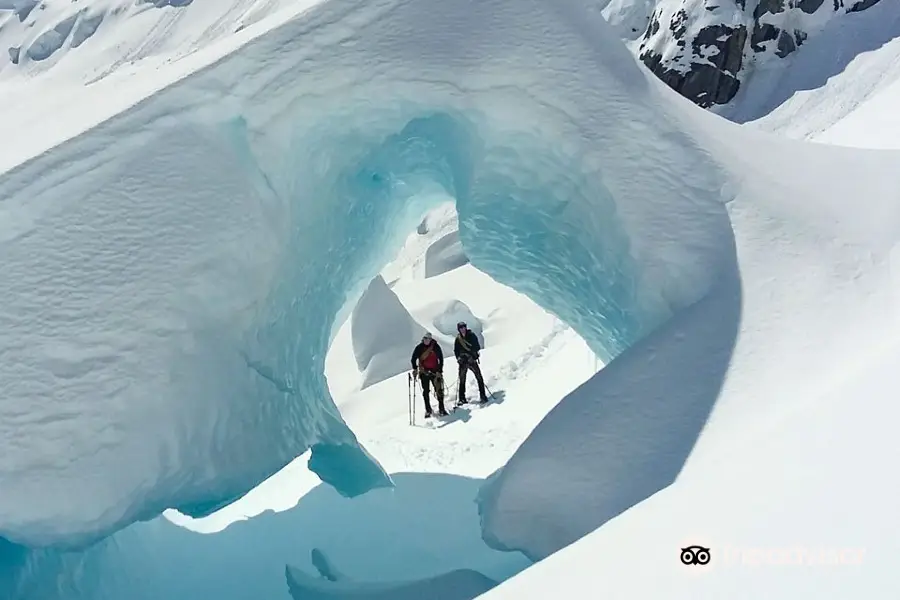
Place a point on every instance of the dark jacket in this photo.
(420, 349)
(468, 347)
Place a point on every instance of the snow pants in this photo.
(427, 378)
(465, 365)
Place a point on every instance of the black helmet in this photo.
(461, 324)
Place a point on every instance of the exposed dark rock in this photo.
(678, 25)
(810, 6)
(786, 44)
(730, 44)
(763, 33)
(862, 5)
(768, 7)
(711, 82)
(708, 68)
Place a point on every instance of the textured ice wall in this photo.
(170, 279)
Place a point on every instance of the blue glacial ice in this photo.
(172, 278)
(158, 560)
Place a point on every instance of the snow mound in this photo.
(383, 334)
(765, 508)
(630, 430)
(442, 218)
(618, 438)
(444, 255)
(448, 313)
(462, 584)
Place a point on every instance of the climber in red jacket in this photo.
(430, 370)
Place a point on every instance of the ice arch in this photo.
(528, 215)
(254, 200)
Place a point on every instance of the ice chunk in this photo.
(51, 40)
(618, 438)
(86, 27)
(383, 333)
(444, 255)
(459, 584)
(449, 313)
(463, 584)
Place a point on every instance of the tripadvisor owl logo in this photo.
(695, 555)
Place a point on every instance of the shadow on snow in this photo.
(421, 534)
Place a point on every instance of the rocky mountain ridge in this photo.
(704, 49)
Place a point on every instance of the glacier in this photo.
(172, 278)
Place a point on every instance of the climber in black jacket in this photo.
(466, 349)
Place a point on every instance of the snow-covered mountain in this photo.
(111, 35)
(707, 49)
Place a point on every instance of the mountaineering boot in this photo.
(428, 414)
(443, 412)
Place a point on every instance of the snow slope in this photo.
(85, 42)
(839, 89)
(799, 508)
(814, 278)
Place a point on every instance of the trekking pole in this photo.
(490, 393)
(410, 396)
